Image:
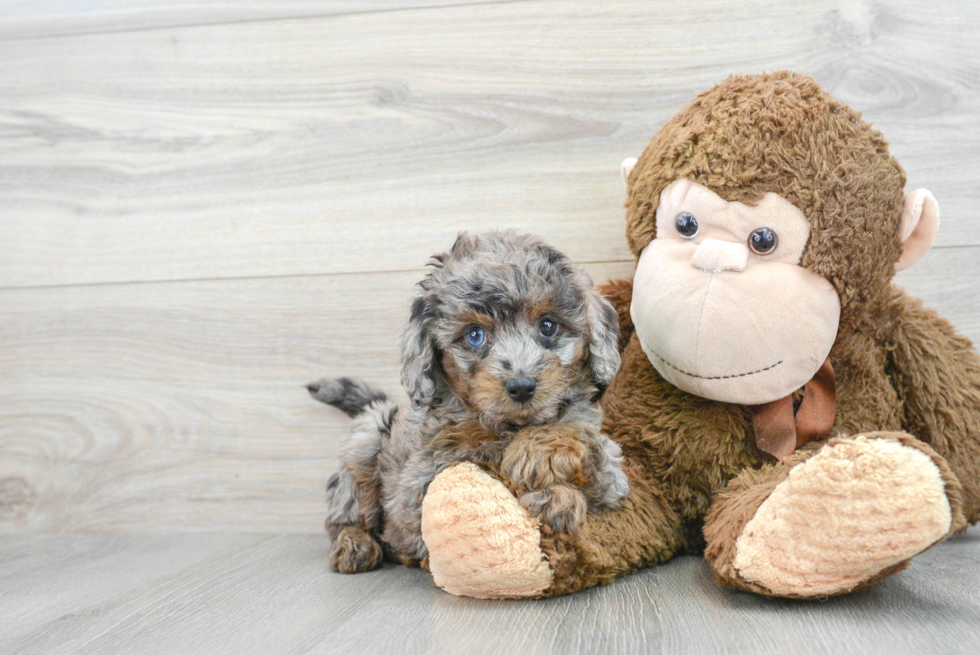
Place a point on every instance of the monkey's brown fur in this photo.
(694, 469)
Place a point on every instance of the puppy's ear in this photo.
(603, 332)
(419, 354)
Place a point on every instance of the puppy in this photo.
(506, 354)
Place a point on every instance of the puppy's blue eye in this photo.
(548, 328)
(476, 337)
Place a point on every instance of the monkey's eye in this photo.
(687, 225)
(763, 241)
(476, 337)
(548, 328)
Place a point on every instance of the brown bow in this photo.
(779, 433)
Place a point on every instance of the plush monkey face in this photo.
(721, 305)
(767, 219)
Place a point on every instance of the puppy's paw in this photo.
(544, 456)
(355, 551)
(610, 485)
(610, 491)
(560, 508)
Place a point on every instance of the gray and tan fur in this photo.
(521, 402)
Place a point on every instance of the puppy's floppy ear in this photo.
(419, 354)
(603, 332)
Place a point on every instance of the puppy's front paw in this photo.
(354, 550)
(560, 508)
(610, 485)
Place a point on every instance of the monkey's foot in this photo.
(355, 551)
(851, 514)
(481, 542)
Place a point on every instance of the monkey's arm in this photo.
(405, 492)
(620, 294)
(936, 373)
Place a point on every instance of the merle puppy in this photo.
(506, 354)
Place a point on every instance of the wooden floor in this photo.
(273, 594)
(205, 205)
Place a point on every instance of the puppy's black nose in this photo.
(520, 390)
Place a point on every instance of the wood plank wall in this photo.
(203, 206)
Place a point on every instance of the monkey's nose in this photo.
(716, 255)
(520, 390)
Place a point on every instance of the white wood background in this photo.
(203, 206)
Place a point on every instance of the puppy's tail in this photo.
(350, 396)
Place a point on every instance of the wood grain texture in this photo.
(181, 406)
(195, 221)
(30, 19)
(355, 142)
(260, 594)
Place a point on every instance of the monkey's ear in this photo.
(419, 355)
(918, 227)
(627, 168)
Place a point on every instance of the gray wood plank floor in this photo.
(274, 594)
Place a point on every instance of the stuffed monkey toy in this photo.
(782, 407)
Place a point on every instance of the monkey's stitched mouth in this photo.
(717, 377)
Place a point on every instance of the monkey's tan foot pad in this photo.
(856, 508)
(481, 542)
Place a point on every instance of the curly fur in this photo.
(548, 448)
(692, 463)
